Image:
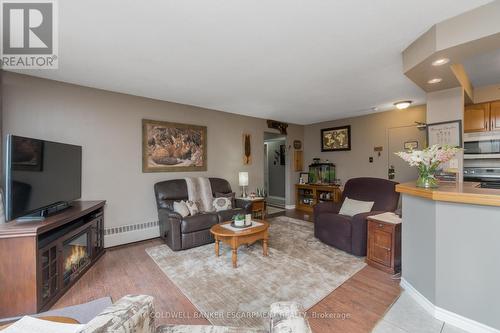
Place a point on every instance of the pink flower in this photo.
(430, 157)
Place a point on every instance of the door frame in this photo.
(416, 125)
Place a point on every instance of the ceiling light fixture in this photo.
(435, 80)
(440, 62)
(402, 104)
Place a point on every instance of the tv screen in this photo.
(40, 174)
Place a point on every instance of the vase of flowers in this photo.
(427, 161)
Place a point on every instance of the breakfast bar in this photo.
(451, 251)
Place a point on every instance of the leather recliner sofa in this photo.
(184, 233)
(350, 233)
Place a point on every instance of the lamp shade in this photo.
(243, 178)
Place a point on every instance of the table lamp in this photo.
(243, 179)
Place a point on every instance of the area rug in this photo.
(299, 268)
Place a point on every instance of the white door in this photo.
(399, 170)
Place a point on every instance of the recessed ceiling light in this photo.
(435, 80)
(440, 62)
(402, 104)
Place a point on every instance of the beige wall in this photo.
(367, 132)
(108, 126)
(445, 105)
(448, 105)
(487, 93)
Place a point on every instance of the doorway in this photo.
(274, 171)
(414, 135)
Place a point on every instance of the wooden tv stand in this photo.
(40, 261)
(308, 195)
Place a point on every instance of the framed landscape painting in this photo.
(172, 147)
(336, 138)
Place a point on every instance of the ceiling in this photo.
(295, 61)
(484, 70)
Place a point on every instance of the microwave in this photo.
(481, 145)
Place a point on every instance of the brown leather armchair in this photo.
(191, 231)
(350, 233)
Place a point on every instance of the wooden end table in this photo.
(258, 206)
(384, 242)
(237, 238)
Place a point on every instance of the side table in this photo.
(384, 242)
(258, 206)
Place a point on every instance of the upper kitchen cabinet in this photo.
(477, 118)
(495, 116)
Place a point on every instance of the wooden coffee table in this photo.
(237, 238)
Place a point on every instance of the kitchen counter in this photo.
(466, 192)
(450, 252)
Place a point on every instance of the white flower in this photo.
(430, 157)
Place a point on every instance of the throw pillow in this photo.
(181, 208)
(222, 204)
(193, 207)
(352, 207)
(231, 196)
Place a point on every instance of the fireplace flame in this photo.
(74, 260)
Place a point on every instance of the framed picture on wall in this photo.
(410, 145)
(172, 147)
(304, 178)
(445, 133)
(336, 138)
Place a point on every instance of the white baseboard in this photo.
(418, 297)
(448, 317)
(462, 322)
(131, 236)
(289, 206)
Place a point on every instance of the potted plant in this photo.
(427, 161)
(239, 220)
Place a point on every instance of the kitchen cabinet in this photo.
(483, 117)
(495, 116)
(477, 118)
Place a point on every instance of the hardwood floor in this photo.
(356, 306)
(297, 214)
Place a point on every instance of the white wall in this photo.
(108, 126)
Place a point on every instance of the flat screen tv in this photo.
(40, 175)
